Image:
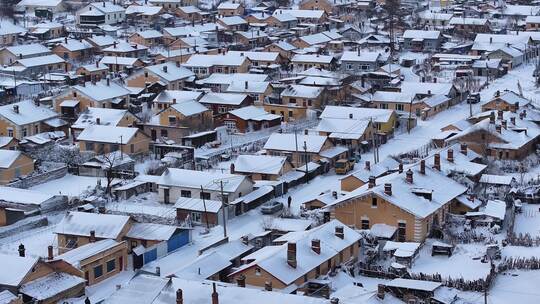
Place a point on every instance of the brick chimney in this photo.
(437, 162)
(400, 168)
(450, 155)
(179, 297)
(241, 281)
(232, 168)
(409, 176)
(165, 68)
(339, 232)
(492, 117)
(422, 166)
(268, 285)
(388, 189)
(371, 182)
(368, 165)
(291, 254)
(16, 109)
(463, 148)
(215, 295)
(50, 253)
(22, 250)
(316, 246)
(92, 236)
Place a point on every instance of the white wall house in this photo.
(100, 13)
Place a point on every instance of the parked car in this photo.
(271, 207)
(473, 98)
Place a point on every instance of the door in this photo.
(402, 228)
(166, 197)
(153, 134)
(138, 261)
(178, 241)
(150, 256)
(121, 262)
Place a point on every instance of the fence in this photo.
(41, 178)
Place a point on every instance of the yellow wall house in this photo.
(302, 257)
(415, 201)
(14, 164)
(105, 139)
(25, 118)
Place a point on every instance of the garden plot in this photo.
(528, 221)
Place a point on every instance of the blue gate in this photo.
(150, 256)
(178, 240)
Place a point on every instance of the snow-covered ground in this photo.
(528, 221)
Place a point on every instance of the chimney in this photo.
(521, 115)
(388, 189)
(16, 109)
(65, 39)
(340, 232)
(232, 168)
(351, 115)
(409, 176)
(118, 286)
(450, 155)
(371, 182)
(22, 251)
(179, 297)
(268, 285)
(97, 64)
(334, 301)
(245, 85)
(291, 254)
(316, 246)
(158, 271)
(165, 68)
(490, 39)
(492, 117)
(429, 92)
(368, 165)
(334, 194)
(437, 162)
(306, 132)
(98, 121)
(241, 281)
(245, 240)
(92, 236)
(114, 44)
(524, 113)
(50, 253)
(422, 166)
(174, 100)
(463, 148)
(215, 296)
(513, 120)
(380, 291)
(500, 114)
(400, 168)
(498, 129)
(504, 124)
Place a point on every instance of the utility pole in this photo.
(305, 158)
(224, 209)
(373, 141)
(205, 212)
(121, 152)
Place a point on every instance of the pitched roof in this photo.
(15, 268)
(107, 134)
(76, 255)
(106, 226)
(100, 91)
(264, 164)
(287, 142)
(172, 72)
(28, 113)
(195, 179)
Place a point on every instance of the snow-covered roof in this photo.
(195, 179)
(257, 87)
(387, 165)
(460, 163)
(28, 49)
(254, 113)
(414, 284)
(106, 226)
(8, 28)
(232, 20)
(521, 10)
(148, 34)
(469, 201)
(151, 231)
(310, 58)
(112, 60)
(106, 116)
(74, 45)
(100, 91)
(468, 21)
(169, 71)
(377, 115)
(186, 31)
(229, 5)
(263, 164)
(204, 266)
(220, 78)
(51, 285)
(506, 180)
(28, 113)
(23, 196)
(382, 230)
(298, 13)
(223, 98)
(101, 40)
(402, 249)
(147, 10)
(202, 60)
(15, 268)
(287, 142)
(107, 134)
(167, 96)
(107, 7)
(290, 224)
(6, 297)
(343, 128)
(189, 107)
(421, 34)
(197, 204)
(124, 47)
(7, 158)
(40, 61)
(351, 56)
(77, 255)
(302, 91)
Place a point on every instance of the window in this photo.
(205, 195)
(164, 133)
(172, 120)
(185, 193)
(257, 271)
(291, 115)
(114, 147)
(24, 132)
(222, 109)
(111, 265)
(402, 228)
(349, 66)
(10, 132)
(373, 202)
(365, 224)
(384, 106)
(399, 107)
(133, 244)
(195, 217)
(98, 271)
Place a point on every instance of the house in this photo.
(489, 68)
(511, 56)
(46, 30)
(126, 49)
(383, 120)
(422, 41)
(93, 71)
(145, 13)
(198, 211)
(410, 290)
(322, 199)
(73, 49)
(363, 175)
(303, 62)
(172, 5)
(352, 133)
(250, 165)
(105, 139)
(532, 23)
(295, 100)
(104, 164)
(32, 67)
(281, 20)
(25, 118)
(331, 7)
(220, 82)
(221, 103)
(14, 165)
(9, 32)
(302, 16)
(233, 23)
(97, 94)
(435, 19)
(96, 260)
(189, 114)
(252, 38)
(507, 101)
(284, 48)
(147, 38)
(249, 119)
(101, 42)
(121, 64)
(358, 62)
(28, 202)
(458, 160)
(10, 54)
(299, 149)
(415, 201)
(8, 143)
(80, 228)
(175, 183)
(231, 8)
(191, 13)
(257, 90)
(100, 13)
(38, 7)
(318, 39)
(167, 75)
(305, 257)
(205, 65)
(167, 98)
(37, 281)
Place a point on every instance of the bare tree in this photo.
(109, 162)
